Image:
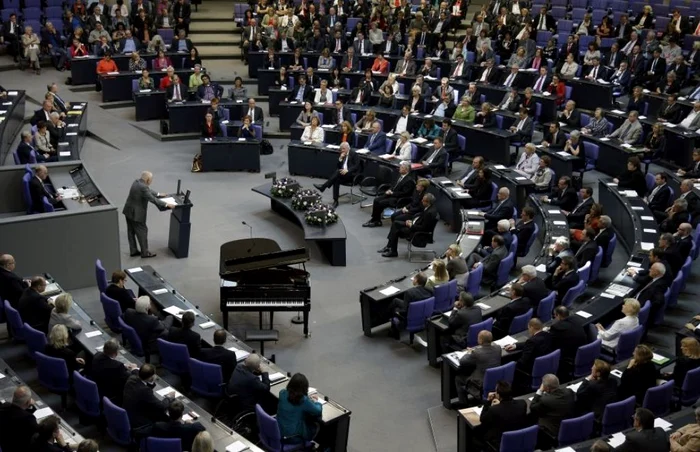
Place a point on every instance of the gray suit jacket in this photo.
(633, 133)
(482, 357)
(695, 123)
(136, 205)
(491, 262)
(410, 67)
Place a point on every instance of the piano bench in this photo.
(262, 336)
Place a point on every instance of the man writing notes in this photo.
(135, 210)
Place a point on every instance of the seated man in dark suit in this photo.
(399, 307)
(534, 287)
(645, 436)
(484, 248)
(501, 413)
(523, 229)
(538, 344)
(564, 196)
(176, 427)
(186, 336)
(597, 390)
(402, 188)
(473, 366)
(684, 240)
(660, 197)
(559, 250)
(348, 166)
(11, 285)
(554, 138)
(34, 308)
(568, 334)
(301, 91)
(220, 355)
(110, 374)
(249, 383)
(424, 221)
(148, 327)
(693, 170)
(654, 291)
(552, 404)
(17, 422)
(503, 210)
(676, 215)
(117, 292)
(588, 249)
(43, 114)
(491, 262)
(176, 91)
(141, 404)
(564, 278)
(522, 128)
(435, 163)
(577, 215)
(464, 315)
(25, 148)
(671, 252)
(605, 233)
(38, 190)
(518, 305)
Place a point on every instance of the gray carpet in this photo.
(387, 385)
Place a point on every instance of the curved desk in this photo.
(330, 239)
(12, 120)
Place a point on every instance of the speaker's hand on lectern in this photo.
(170, 206)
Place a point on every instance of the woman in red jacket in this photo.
(557, 88)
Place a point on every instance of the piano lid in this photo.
(258, 253)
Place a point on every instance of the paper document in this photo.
(499, 167)
(169, 200)
(362, 151)
(186, 417)
(391, 290)
(144, 91)
(160, 291)
(647, 218)
(177, 312)
(2, 376)
(71, 134)
(616, 372)
(166, 391)
(277, 376)
(584, 314)
(607, 295)
(612, 184)
(650, 231)
(618, 112)
(634, 264)
(68, 193)
(135, 270)
(637, 208)
(64, 153)
(483, 306)
(617, 439)
(541, 268)
(646, 246)
(240, 354)
(238, 446)
(553, 211)
(42, 413)
(207, 325)
(574, 387)
(566, 449)
(419, 140)
(605, 139)
(477, 410)
(663, 423)
(93, 333)
(559, 223)
(659, 359)
(521, 178)
(508, 340)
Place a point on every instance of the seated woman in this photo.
(669, 85)
(193, 59)
(598, 125)
(592, 220)
(636, 100)
(390, 81)
(60, 316)
(416, 103)
(145, 81)
(575, 146)
(428, 130)
(161, 61)
(464, 111)
(440, 275)
(323, 95)
(485, 117)
(304, 118)
(655, 142)
(238, 92)
(59, 347)
(543, 176)
(335, 82)
(246, 130)
(538, 60)
(690, 360)
(633, 178)
(346, 133)
(282, 79)
(42, 138)
(591, 54)
(210, 129)
(195, 80)
(630, 321)
(313, 132)
(136, 63)
(640, 375)
(557, 88)
(518, 58)
(365, 123)
(481, 191)
(297, 411)
(402, 151)
(386, 97)
(326, 61)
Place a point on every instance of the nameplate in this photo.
(64, 154)
(93, 333)
(71, 134)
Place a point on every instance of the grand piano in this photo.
(256, 275)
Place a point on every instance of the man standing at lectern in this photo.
(135, 210)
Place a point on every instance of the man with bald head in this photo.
(135, 211)
(684, 240)
(11, 285)
(473, 366)
(17, 421)
(654, 291)
(34, 308)
(38, 190)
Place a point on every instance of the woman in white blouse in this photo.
(630, 321)
(402, 150)
(323, 94)
(313, 132)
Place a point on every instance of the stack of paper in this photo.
(391, 290)
(616, 373)
(277, 376)
(165, 392)
(658, 359)
(508, 340)
(617, 439)
(238, 446)
(362, 151)
(483, 306)
(664, 424)
(477, 410)
(541, 268)
(583, 314)
(574, 387)
(42, 413)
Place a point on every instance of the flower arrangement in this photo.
(285, 187)
(305, 198)
(320, 215)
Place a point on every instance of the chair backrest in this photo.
(650, 178)
(207, 378)
(576, 430)
(595, 268)
(584, 273)
(618, 416)
(36, 340)
(48, 207)
(268, 430)
(499, 121)
(519, 322)
(658, 398)
(675, 290)
(112, 312)
(53, 373)
(87, 397)
(474, 330)
(585, 119)
(130, 337)
(100, 275)
(134, 85)
(607, 258)
(523, 440)
(441, 293)
(163, 444)
(573, 293)
(461, 142)
(547, 364)
(118, 426)
(474, 281)
(452, 290)
(627, 342)
(643, 315)
(418, 312)
(506, 372)
(174, 357)
(14, 320)
(546, 306)
(659, 318)
(690, 391)
(504, 268)
(530, 241)
(26, 195)
(513, 248)
(585, 356)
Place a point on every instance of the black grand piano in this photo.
(256, 275)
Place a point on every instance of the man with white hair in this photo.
(135, 211)
(249, 382)
(503, 210)
(560, 249)
(534, 287)
(147, 326)
(17, 422)
(654, 291)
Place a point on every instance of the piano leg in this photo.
(306, 322)
(272, 313)
(225, 316)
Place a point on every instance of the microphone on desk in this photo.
(249, 227)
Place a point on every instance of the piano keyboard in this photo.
(265, 303)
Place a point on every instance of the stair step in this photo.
(226, 26)
(216, 39)
(225, 51)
